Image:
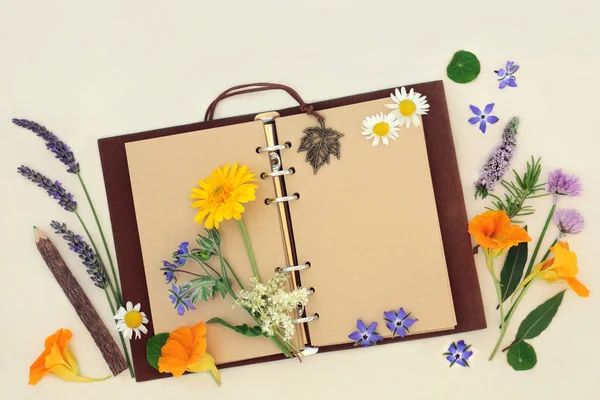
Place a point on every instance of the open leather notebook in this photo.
(381, 228)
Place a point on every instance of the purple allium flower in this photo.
(398, 322)
(180, 300)
(54, 189)
(365, 336)
(505, 75)
(180, 256)
(562, 184)
(169, 272)
(498, 161)
(483, 117)
(53, 143)
(459, 353)
(88, 256)
(568, 221)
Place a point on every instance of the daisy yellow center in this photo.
(381, 128)
(407, 107)
(222, 193)
(133, 319)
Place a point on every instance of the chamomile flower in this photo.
(380, 128)
(130, 319)
(408, 106)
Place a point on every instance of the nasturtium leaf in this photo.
(250, 331)
(512, 271)
(153, 348)
(539, 319)
(464, 67)
(521, 356)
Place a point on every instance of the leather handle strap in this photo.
(260, 87)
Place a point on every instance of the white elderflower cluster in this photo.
(273, 305)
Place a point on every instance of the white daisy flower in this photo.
(408, 107)
(380, 128)
(130, 319)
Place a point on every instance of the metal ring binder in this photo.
(306, 319)
(292, 268)
(271, 200)
(282, 172)
(276, 147)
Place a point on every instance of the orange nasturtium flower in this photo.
(185, 350)
(493, 230)
(56, 359)
(562, 267)
(221, 195)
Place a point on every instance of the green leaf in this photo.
(464, 67)
(250, 331)
(539, 319)
(512, 271)
(153, 348)
(521, 356)
(204, 288)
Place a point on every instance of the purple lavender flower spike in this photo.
(505, 75)
(568, 222)
(88, 257)
(53, 143)
(398, 322)
(562, 184)
(498, 161)
(365, 336)
(459, 353)
(483, 117)
(180, 300)
(54, 189)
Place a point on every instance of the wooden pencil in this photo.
(83, 307)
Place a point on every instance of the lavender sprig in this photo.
(88, 256)
(53, 143)
(54, 189)
(498, 161)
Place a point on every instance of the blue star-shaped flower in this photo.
(483, 117)
(398, 322)
(365, 336)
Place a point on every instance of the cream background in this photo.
(89, 70)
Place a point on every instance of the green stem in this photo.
(125, 350)
(540, 240)
(112, 288)
(509, 316)
(249, 248)
(110, 260)
(490, 264)
(233, 273)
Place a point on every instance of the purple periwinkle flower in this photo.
(568, 221)
(88, 256)
(398, 322)
(180, 300)
(54, 189)
(505, 75)
(483, 117)
(180, 256)
(365, 336)
(53, 143)
(562, 184)
(498, 161)
(459, 353)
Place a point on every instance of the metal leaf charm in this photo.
(320, 143)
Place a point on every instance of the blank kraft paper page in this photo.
(368, 225)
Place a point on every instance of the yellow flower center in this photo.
(133, 319)
(381, 128)
(222, 193)
(407, 107)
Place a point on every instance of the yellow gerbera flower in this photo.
(221, 194)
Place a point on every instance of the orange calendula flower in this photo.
(185, 350)
(221, 195)
(562, 267)
(56, 359)
(493, 230)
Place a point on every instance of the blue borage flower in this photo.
(398, 322)
(505, 75)
(169, 272)
(365, 336)
(180, 300)
(459, 353)
(180, 255)
(483, 117)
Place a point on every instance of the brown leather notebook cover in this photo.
(451, 211)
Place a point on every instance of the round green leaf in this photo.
(153, 348)
(521, 356)
(464, 67)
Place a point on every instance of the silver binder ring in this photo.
(305, 319)
(282, 199)
(292, 268)
(276, 147)
(282, 172)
